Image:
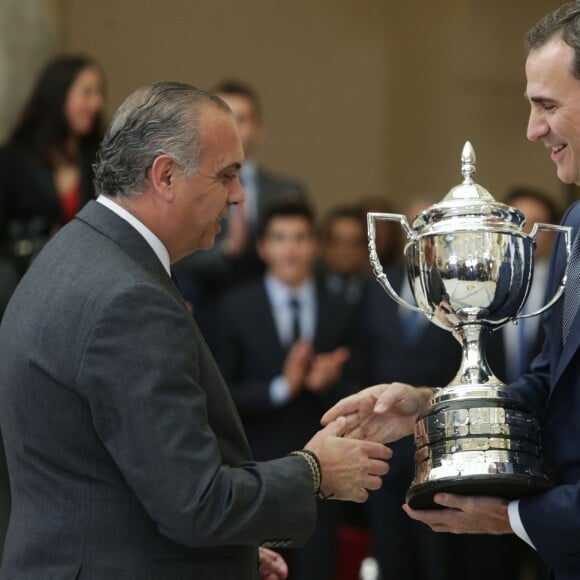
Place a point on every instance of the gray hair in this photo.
(565, 22)
(158, 119)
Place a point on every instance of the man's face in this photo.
(249, 124)
(344, 249)
(289, 248)
(554, 96)
(204, 199)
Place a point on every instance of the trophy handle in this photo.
(567, 231)
(374, 258)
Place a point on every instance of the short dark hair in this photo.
(239, 88)
(525, 192)
(564, 21)
(351, 212)
(286, 208)
(43, 126)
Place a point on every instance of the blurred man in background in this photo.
(344, 256)
(281, 343)
(233, 260)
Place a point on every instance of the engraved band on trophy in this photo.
(470, 267)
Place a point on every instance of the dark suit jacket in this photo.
(126, 455)
(250, 355)
(552, 389)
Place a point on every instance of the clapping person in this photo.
(282, 343)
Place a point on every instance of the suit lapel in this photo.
(569, 349)
(561, 356)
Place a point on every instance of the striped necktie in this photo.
(572, 291)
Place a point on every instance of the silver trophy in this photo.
(470, 267)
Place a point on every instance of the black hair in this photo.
(43, 126)
(564, 21)
(286, 208)
(351, 212)
(235, 87)
(524, 192)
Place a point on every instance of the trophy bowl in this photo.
(470, 267)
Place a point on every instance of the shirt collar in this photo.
(280, 293)
(155, 243)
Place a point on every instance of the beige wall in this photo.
(30, 33)
(462, 78)
(360, 96)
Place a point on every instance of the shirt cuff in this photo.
(279, 391)
(516, 522)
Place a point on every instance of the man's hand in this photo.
(272, 565)
(296, 366)
(466, 515)
(326, 369)
(349, 467)
(382, 413)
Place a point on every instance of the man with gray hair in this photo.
(550, 521)
(126, 455)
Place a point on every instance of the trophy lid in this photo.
(468, 205)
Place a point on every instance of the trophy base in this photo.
(481, 446)
(420, 497)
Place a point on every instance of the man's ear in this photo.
(162, 176)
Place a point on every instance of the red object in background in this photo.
(353, 546)
(70, 203)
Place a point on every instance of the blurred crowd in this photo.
(291, 311)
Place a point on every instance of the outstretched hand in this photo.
(382, 413)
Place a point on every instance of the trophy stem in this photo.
(474, 368)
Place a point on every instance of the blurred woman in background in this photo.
(45, 167)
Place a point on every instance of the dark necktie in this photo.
(572, 292)
(176, 282)
(295, 319)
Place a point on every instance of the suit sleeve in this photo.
(141, 372)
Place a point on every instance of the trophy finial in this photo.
(468, 190)
(468, 163)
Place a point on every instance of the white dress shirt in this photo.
(279, 296)
(249, 180)
(155, 243)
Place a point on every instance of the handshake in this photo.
(351, 448)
